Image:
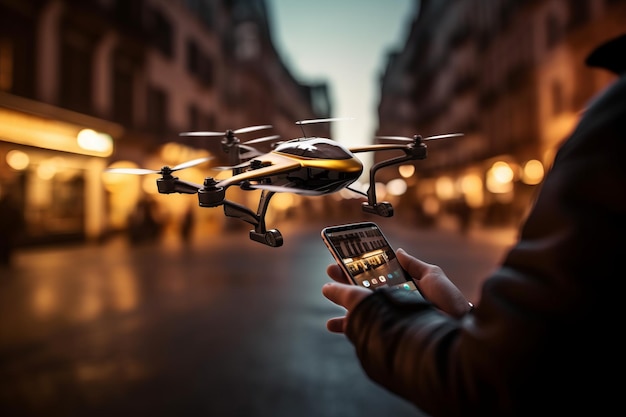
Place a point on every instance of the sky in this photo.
(345, 43)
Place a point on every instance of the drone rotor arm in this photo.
(378, 147)
(280, 167)
(173, 185)
(286, 189)
(397, 138)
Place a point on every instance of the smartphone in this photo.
(366, 257)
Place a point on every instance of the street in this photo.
(221, 327)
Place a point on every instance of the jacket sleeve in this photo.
(543, 336)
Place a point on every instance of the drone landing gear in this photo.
(384, 208)
(271, 238)
(259, 234)
(212, 195)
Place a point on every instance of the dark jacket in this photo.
(546, 337)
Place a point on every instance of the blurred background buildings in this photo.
(510, 75)
(91, 84)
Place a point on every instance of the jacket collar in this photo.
(610, 55)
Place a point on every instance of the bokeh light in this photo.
(533, 172)
(396, 187)
(17, 160)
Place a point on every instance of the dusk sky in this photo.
(346, 43)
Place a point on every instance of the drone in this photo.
(309, 166)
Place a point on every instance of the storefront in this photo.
(51, 162)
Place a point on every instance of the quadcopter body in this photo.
(309, 166)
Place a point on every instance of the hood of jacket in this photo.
(610, 55)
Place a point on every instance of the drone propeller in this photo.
(301, 123)
(444, 136)
(164, 170)
(332, 119)
(263, 139)
(242, 130)
(408, 139)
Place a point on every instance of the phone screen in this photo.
(366, 256)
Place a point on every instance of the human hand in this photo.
(432, 282)
(343, 294)
(435, 285)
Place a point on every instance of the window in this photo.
(193, 57)
(160, 32)
(194, 118)
(157, 111)
(206, 70)
(76, 70)
(580, 13)
(18, 52)
(128, 12)
(199, 64)
(203, 10)
(123, 101)
(553, 31)
(6, 64)
(247, 41)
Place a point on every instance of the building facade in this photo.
(508, 74)
(89, 84)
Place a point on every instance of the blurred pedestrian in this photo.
(11, 228)
(143, 222)
(545, 337)
(187, 225)
(463, 213)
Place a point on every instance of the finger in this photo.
(336, 293)
(411, 264)
(336, 325)
(435, 285)
(336, 273)
(344, 295)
